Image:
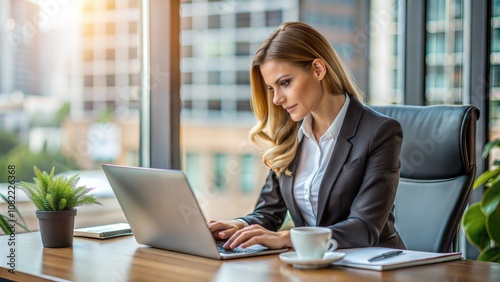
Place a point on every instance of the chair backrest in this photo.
(438, 167)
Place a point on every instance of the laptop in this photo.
(163, 213)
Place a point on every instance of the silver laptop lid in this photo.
(161, 209)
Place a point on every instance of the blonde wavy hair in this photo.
(300, 44)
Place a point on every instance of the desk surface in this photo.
(122, 259)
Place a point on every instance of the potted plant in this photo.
(55, 199)
(481, 221)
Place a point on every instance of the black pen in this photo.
(386, 255)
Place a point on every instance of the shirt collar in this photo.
(333, 130)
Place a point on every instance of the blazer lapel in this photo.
(286, 185)
(340, 153)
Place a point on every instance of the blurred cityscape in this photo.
(70, 80)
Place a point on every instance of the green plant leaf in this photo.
(51, 202)
(494, 180)
(474, 225)
(18, 213)
(490, 254)
(490, 145)
(4, 221)
(490, 200)
(493, 226)
(485, 176)
(4, 225)
(33, 193)
(62, 204)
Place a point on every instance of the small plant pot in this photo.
(56, 228)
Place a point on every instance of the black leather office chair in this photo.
(438, 167)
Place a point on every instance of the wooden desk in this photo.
(122, 259)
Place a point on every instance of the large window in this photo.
(70, 84)
(69, 91)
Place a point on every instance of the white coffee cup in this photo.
(311, 242)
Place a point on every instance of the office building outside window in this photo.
(444, 52)
(366, 36)
(495, 76)
(445, 56)
(69, 91)
(111, 71)
(249, 164)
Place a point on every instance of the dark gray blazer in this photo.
(356, 196)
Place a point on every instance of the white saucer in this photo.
(328, 258)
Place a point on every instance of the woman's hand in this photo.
(256, 234)
(224, 229)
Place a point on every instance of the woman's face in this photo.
(297, 90)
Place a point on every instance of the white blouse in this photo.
(313, 163)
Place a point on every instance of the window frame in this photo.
(161, 102)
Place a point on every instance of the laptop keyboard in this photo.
(237, 250)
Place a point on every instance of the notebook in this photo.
(358, 258)
(104, 231)
(163, 213)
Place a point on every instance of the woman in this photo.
(333, 162)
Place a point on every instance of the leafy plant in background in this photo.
(15, 151)
(481, 221)
(24, 159)
(5, 224)
(50, 193)
(8, 141)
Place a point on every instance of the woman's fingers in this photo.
(218, 229)
(237, 236)
(222, 229)
(253, 234)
